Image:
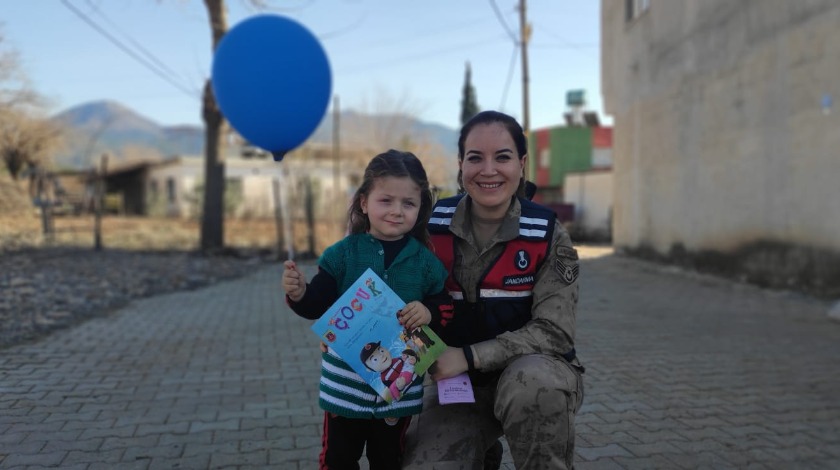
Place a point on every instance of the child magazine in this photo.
(362, 328)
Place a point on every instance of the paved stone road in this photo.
(683, 371)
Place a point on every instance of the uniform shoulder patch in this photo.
(566, 264)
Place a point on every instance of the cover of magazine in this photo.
(362, 328)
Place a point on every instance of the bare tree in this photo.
(26, 141)
(212, 220)
(15, 92)
(25, 136)
(388, 123)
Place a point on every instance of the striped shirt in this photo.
(414, 274)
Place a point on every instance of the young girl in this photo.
(393, 201)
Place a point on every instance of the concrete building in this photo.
(572, 168)
(726, 145)
(173, 187)
(590, 192)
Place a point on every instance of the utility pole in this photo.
(524, 36)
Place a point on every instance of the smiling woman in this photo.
(492, 167)
(511, 326)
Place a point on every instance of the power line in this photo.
(569, 45)
(502, 21)
(564, 43)
(509, 76)
(127, 50)
(435, 53)
(513, 55)
(159, 63)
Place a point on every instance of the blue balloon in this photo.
(272, 82)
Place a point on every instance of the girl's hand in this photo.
(414, 315)
(294, 282)
(449, 364)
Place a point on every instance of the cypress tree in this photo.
(469, 106)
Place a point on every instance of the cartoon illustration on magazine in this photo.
(397, 373)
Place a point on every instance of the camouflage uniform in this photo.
(528, 391)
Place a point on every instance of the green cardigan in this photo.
(414, 274)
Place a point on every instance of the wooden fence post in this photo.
(99, 201)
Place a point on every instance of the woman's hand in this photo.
(414, 315)
(294, 282)
(449, 364)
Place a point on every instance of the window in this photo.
(635, 8)
(153, 189)
(170, 189)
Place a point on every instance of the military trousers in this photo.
(533, 404)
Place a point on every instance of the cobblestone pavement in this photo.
(683, 371)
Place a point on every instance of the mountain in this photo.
(109, 127)
(356, 129)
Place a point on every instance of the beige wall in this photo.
(186, 174)
(720, 139)
(592, 194)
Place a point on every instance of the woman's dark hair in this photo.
(397, 164)
(513, 128)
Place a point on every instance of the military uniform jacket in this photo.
(516, 296)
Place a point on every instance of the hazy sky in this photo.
(154, 55)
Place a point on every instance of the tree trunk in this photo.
(212, 218)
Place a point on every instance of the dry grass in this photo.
(24, 230)
(21, 227)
